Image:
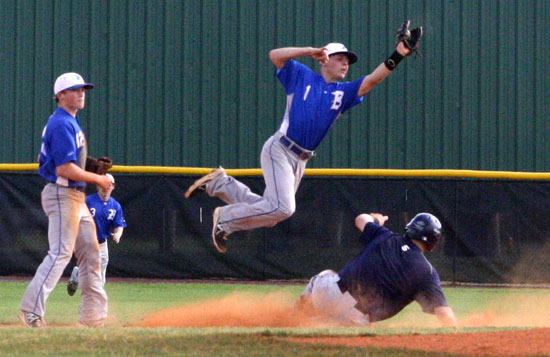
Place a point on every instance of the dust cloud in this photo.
(277, 310)
(512, 311)
(237, 309)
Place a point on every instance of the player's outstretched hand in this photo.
(410, 39)
(380, 217)
(402, 49)
(364, 218)
(320, 54)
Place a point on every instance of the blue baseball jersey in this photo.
(107, 215)
(389, 274)
(62, 141)
(312, 104)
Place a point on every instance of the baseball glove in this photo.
(99, 166)
(410, 38)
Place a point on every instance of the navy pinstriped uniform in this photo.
(390, 273)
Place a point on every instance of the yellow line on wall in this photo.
(173, 170)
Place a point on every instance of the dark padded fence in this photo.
(496, 231)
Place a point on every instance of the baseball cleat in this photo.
(31, 319)
(199, 186)
(219, 237)
(71, 287)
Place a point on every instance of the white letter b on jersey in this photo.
(338, 95)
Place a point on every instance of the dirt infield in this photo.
(276, 310)
(535, 342)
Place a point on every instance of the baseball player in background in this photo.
(71, 227)
(109, 222)
(386, 276)
(314, 103)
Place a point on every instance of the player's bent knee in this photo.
(279, 216)
(285, 212)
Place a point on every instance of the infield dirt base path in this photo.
(535, 342)
(276, 310)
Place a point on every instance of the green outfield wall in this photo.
(189, 83)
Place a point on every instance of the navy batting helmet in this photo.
(426, 228)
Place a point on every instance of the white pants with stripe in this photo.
(245, 210)
(71, 228)
(327, 299)
(104, 250)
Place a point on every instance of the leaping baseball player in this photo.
(314, 103)
(110, 223)
(390, 273)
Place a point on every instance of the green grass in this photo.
(128, 303)
(168, 342)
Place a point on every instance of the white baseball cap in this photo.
(70, 80)
(334, 48)
(111, 178)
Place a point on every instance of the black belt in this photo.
(295, 148)
(343, 287)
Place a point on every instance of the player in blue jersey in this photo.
(314, 102)
(71, 227)
(386, 276)
(109, 222)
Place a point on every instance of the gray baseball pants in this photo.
(104, 251)
(328, 300)
(245, 210)
(71, 228)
